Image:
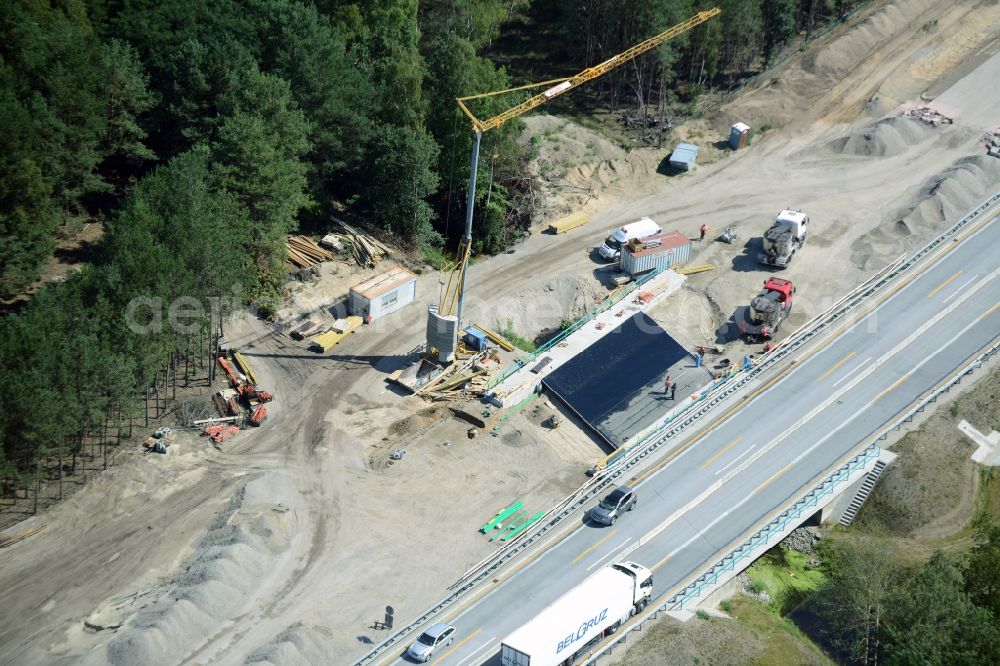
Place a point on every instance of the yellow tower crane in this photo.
(454, 292)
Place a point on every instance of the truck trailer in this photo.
(579, 619)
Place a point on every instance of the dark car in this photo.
(618, 501)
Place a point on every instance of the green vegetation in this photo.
(506, 329)
(786, 576)
(780, 636)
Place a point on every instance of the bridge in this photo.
(761, 455)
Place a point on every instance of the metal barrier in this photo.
(489, 567)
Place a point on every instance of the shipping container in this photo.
(668, 249)
(738, 135)
(383, 294)
(684, 156)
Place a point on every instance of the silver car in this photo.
(429, 641)
(618, 501)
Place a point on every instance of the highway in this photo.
(740, 469)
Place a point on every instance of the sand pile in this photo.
(296, 645)
(213, 583)
(887, 137)
(941, 200)
(783, 94)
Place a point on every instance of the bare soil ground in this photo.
(931, 492)
(284, 546)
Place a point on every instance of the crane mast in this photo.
(441, 317)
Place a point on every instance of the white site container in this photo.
(383, 294)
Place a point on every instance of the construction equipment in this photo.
(786, 235)
(728, 236)
(768, 309)
(220, 433)
(258, 415)
(441, 320)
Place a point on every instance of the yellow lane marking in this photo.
(944, 284)
(835, 366)
(989, 312)
(894, 385)
(661, 563)
(721, 452)
(772, 479)
(458, 645)
(599, 542)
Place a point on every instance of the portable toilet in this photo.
(738, 134)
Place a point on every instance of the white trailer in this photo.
(595, 608)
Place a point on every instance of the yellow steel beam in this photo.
(589, 74)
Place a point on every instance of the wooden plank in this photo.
(242, 362)
(569, 222)
(691, 270)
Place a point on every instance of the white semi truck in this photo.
(595, 608)
(786, 235)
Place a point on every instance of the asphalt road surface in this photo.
(745, 468)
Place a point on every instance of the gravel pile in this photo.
(941, 200)
(887, 137)
(212, 585)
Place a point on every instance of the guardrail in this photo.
(638, 453)
(776, 525)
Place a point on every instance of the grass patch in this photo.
(786, 576)
(513, 337)
(784, 643)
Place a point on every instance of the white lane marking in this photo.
(736, 459)
(858, 367)
(959, 290)
(834, 397)
(485, 645)
(610, 555)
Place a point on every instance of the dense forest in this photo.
(197, 134)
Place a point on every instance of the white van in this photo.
(612, 248)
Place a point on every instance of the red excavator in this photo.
(768, 309)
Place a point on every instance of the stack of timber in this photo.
(11, 539)
(456, 380)
(366, 249)
(303, 252)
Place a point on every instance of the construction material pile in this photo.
(303, 252)
(366, 249)
(993, 142)
(929, 116)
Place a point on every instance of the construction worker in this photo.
(669, 386)
(747, 362)
(704, 230)
(697, 359)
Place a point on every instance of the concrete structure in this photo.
(684, 156)
(383, 294)
(522, 383)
